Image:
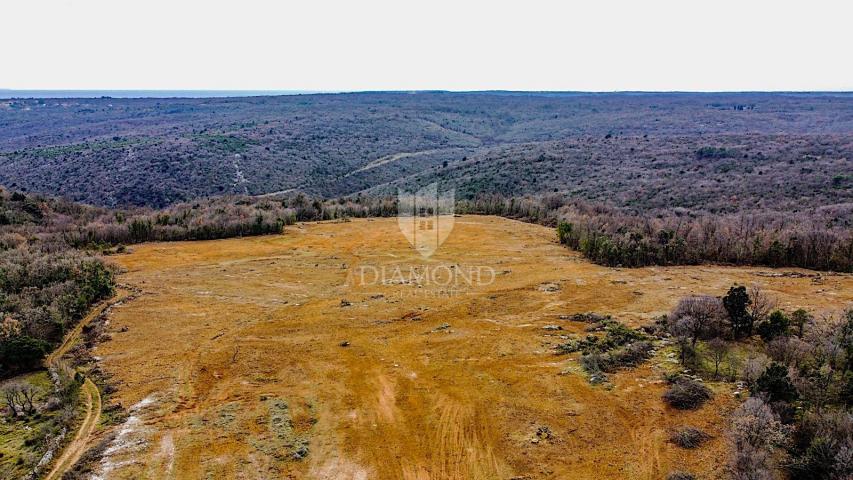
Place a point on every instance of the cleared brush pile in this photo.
(689, 437)
(686, 393)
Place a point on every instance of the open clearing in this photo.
(234, 358)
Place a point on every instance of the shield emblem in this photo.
(426, 217)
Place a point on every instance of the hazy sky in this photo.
(405, 45)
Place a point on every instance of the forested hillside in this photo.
(716, 152)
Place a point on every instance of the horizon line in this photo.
(94, 93)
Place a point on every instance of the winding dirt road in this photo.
(74, 450)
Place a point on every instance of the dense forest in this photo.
(633, 179)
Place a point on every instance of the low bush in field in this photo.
(619, 347)
(598, 364)
(589, 317)
(689, 437)
(687, 394)
(680, 476)
(615, 335)
(628, 356)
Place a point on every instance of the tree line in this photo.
(617, 237)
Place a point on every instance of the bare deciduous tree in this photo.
(698, 317)
(754, 367)
(827, 335)
(719, 350)
(12, 393)
(28, 395)
(762, 304)
(789, 350)
(754, 435)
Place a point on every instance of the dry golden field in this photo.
(283, 357)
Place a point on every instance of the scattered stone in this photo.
(344, 343)
(787, 274)
(300, 452)
(549, 287)
(345, 303)
(284, 439)
(443, 326)
(544, 433)
(552, 327)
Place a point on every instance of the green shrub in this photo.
(776, 325)
(565, 233)
(615, 335)
(21, 353)
(736, 302)
(775, 384)
(628, 356)
(714, 153)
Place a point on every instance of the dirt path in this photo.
(72, 336)
(393, 158)
(239, 178)
(278, 192)
(89, 390)
(75, 449)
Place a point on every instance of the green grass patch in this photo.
(223, 143)
(23, 439)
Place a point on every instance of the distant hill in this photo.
(716, 152)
